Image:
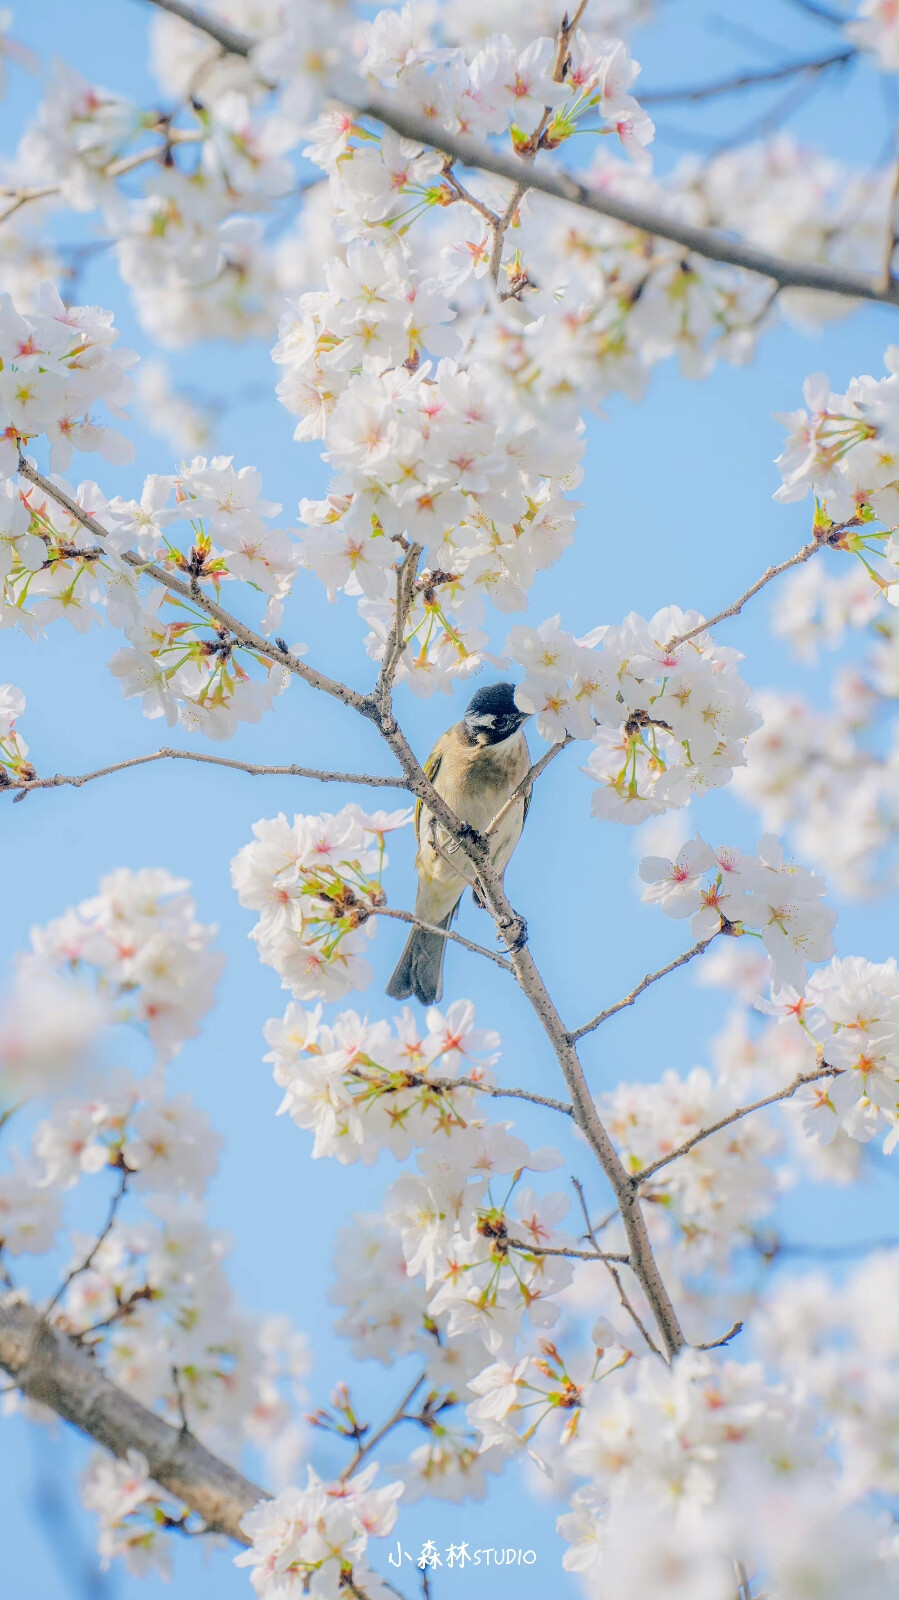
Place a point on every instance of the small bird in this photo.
(475, 767)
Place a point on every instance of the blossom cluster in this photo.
(140, 939)
(57, 363)
(837, 1341)
(425, 457)
(820, 773)
(190, 670)
(14, 761)
(845, 450)
(149, 1296)
(668, 717)
(363, 1088)
(316, 882)
(313, 1540)
(730, 890)
(131, 1510)
(711, 1200)
(691, 1464)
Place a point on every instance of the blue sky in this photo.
(677, 509)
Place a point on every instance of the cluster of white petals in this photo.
(362, 1087)
(312, 1541)
(845, 451)
(130, 1510)
(149, 1296)
(315, 883)
(57, 363)
(698, 1466)
(732, 891)
(667, 719)
(150, 958)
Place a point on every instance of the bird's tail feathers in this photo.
(419, 970)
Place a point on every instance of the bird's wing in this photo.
(527, 806)
(431, 769)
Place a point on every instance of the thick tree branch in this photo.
(48, 1367)
(651, 977)
(564, 186)
(734, 1116)
(59, 780)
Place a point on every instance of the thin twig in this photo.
(445, 1085)
(461, 193)
(734, 1116)
(715, 1344)
(179, 1395)
(444, 933)
(822, 12)
(576, 1255)
(774, 1247)
(651, 977)
(59, 780)
(396, 639)
(102, 1236)
(749, 80)
(623, 1297)
(527, 781)
(805, 554)
(113, 170)
(396, 1416)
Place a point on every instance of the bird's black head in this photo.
(492, 715)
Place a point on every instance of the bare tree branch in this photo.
(396, 640)
(715, 1344)
(749, 80)
(558, 1250)
(48, 1367)
(374, 781)
(651, 977)
(513, 930)
(445, 933)
(829, 537)
(102, 1236)
(396, 1416)
(499, 1093)
(528, 781)
(245, 636)
(734, 1116)
(564, 186)
(623, 1297)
